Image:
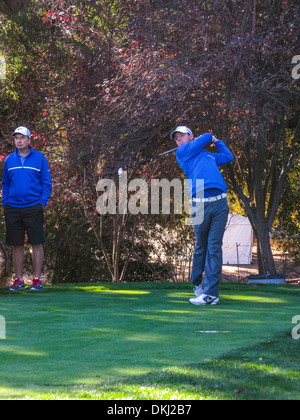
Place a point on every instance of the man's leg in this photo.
(15, 233)
(18, 254)
(213, 262)
(200, 251)
(34, 219)
(38, 259)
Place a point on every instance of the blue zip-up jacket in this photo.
(199, 164)
(26, 183)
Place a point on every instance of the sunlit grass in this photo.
(267, 370)
(141, 341)
(253, 299)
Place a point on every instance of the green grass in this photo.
(140, 341)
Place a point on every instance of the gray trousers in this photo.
(208, 254)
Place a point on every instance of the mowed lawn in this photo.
(81, 337)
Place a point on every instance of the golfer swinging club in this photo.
(199, 164)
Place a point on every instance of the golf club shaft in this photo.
(152, 158)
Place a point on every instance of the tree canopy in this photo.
(102, 82)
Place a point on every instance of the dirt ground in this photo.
(233, 273)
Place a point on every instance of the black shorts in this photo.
(21, 220)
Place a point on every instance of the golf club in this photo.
(121, 170)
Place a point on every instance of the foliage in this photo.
(102, 83)
(287, 227)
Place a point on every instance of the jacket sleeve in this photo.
(5, 185)
(46, 183)
(189, 150)
(224, 156)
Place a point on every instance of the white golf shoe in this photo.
(205, 300)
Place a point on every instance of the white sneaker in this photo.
(205, 300)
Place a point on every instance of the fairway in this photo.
(88, 334)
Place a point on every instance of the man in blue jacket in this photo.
(26, 189)
(208, 190)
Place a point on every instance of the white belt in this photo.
(210, 199)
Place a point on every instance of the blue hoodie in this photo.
(199, 164)
(26, 181)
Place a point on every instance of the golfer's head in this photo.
(23, 131)
(22, 137)
(182, 135)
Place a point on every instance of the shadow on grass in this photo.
(265, 371)
(88, 334)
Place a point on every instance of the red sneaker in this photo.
(17, 285)
(36, 284)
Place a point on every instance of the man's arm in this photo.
(5, 185)
(46, 183)
(189, 150)
(224, 156)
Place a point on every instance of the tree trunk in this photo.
(266, 263)
(258, 220)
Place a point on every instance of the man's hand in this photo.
(214, 139)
